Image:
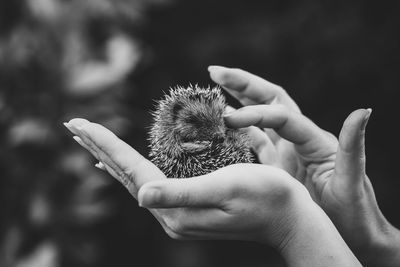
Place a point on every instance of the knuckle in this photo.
(182, 198)
(173, 234)
(283, 193)
(175, 226)
(281, 90)
(124, 178)
(237, 187)
(128, 174)
(132, 169)
(261, 143)
(280, 108)
(178, 228)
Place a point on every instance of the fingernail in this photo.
(149, 198)
(100, 166)
(229, 109)
(77, 124)
(218, 74)
(366, 118)
(78, 140)
(67, 125)
(228, 113)
(213, 68)
(73, 128)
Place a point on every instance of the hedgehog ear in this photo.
(194, 147)
(175, 109)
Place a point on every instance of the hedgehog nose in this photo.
(219, 139)
(219, 135)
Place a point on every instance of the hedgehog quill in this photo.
(188, 136)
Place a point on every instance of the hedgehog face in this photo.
(198, 125)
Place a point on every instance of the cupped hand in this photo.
(242, 202)
(212, 206)
(333, 170)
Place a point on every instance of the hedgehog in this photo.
(188, 136)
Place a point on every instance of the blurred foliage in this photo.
(107, 60)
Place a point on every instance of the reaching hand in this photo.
(332, 170)
(243, 202)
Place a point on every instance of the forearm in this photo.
(316, 242)
(383, 251)
(368, 233)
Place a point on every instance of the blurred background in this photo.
(108, 60)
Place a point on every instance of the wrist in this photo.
(311, 239)
(382, 248)
(367, 232)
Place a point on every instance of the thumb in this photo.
(350, 158)
(202, 191)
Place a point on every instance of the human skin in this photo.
(243, 202)
(332, 170)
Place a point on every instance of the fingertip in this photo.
(350, 159)
(76, 125)
(366, 117)
(358, 119)
(69, 127)
(218, 74)
(78, 140)
(100, 166)
(228, 78)
(149, 197)
(78, 122)
(242, 117)
(214, 68)
(351, 138)
(140, 195)
(229, 109)
(231, 121)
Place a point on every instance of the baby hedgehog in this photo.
(188, 136)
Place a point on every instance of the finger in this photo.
(129, 167)
(213, 190)
(292, 126)
(260, 142)
(201, 191)
(100, 166)
(261, 145)
(84, 145)
(350, 159)
(194, 223)
(112, 170)
(250, 89)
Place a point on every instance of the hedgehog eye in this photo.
(194, 147)
(192, 120)
(176, 109)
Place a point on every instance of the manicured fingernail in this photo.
(229, 109)
(78, 140)
(100, 166)
(228, 113)
(218, 74)
(67, 125)
(78, 124)
(75, 129)
(366, 118)
(213, 68)
(149, 198)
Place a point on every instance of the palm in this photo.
(285, 138)
(313, 167)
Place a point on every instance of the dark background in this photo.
(107, 60)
